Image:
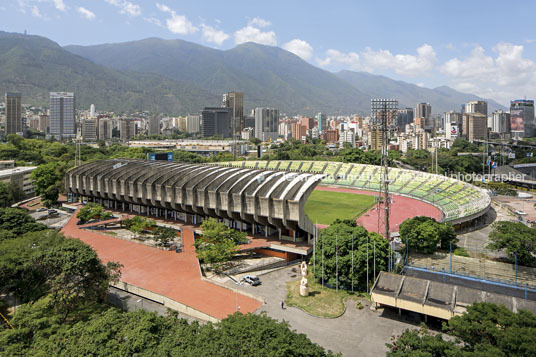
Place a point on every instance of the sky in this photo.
(487, 48)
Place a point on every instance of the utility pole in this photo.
(367, 268)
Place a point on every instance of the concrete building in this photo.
(346, 136)
(92, 112)
(383, 109)
(62, 115)
(375, 139)
(322, 122)
(89, 130)
(453, 125)
(285, 130)
(154, 125)
(330, 135)
(235, 101)
(474, 126)
(500, 122)
(19, 175)
(423, 110)
(247, 198)
(299, 132)
(105, 129)
(309, 123)
(404, 117)
(193, 123)
(522, 121)
(14, 113)
(217, 121)
(477, 106)
(44, 123)
(266, 124)
(127, 129)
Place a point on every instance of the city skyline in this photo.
(496, 62)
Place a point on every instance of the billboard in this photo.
(516, 120)
(161, 156)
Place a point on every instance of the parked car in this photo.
(42, 209)
(521, 213)
(252, 280)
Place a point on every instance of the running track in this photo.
(174, 275)
(402, 208)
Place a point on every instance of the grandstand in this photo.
(458, 201)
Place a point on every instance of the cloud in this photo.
(35, 12)
(178, 24)
(154, 21)
(253, 34)
(370, 60)
(299, 48)
(125, 7)
(258, 22)
(88, 14)
(213, 35)
(506, 76)
(60, 5)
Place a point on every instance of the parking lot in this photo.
(355, 333)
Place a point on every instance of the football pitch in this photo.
(324, 207)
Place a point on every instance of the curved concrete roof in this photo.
(249, 195)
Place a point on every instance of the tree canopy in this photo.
(425, 234)
(484, 330)
(92, 211)
(516, 239)
(334, 249)
(17, 222)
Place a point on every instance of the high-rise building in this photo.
(249, 121)
(92, 112)
(105, 129)
(235, 101)
(522, 122)
(62, 115)
(375, 139)
(322, 122)
(193, 124)
(266, 124)
(89, 129)
(13, 113)
(424, 110)
(453, 124)
(299, 131)
(127, 129)
(154, 125)
(346, 136)
(404, 117)
(44, 123)
(381, 109)
(474, 126)
(477, 106)
(500, 122)
(217, 121)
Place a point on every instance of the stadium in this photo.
(269, 197)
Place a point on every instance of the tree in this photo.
(10, 193)
(18, 222)
(217, 244)
(334, 249)
(92, 211)
(484, 330)
(73, 274)
(255, 141)
(164, 235)
(48, 179)
(138, 224)
(425, 234)
(515, 238)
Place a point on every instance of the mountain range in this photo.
(179, 77)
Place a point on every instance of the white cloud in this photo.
(253, 34)
(210, 34)
(154, 21)
(506, 76)
(370, 60)
(299, 48)
(60, 5)
(178, 24)
(88, 14)
(35, 12)
(350, 59)
(258, 22)
(126, 7)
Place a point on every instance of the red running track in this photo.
(402, 208)
(174, 275)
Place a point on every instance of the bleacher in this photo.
(456, 199)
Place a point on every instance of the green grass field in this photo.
(324, 207)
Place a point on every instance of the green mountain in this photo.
(269, 76)
(441, 98)
(35, 66)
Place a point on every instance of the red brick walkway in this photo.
(402, 208)
(175, 275)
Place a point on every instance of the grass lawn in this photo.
(323, 207)
(322, 301)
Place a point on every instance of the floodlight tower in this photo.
(384, 113)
